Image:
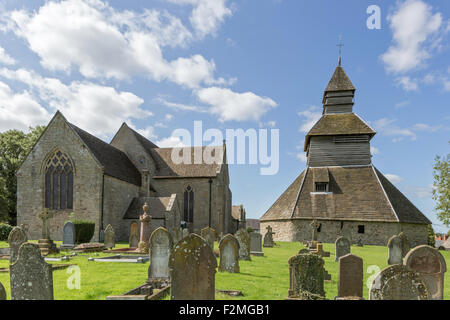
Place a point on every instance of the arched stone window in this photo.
(189, 204)
(59, 182)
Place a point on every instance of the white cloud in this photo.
(387, 127)
(207, 15)
(420, 191)
(407, 83)
(102, 42)
(170, 142)
(393, 178)
(302, 157)
(309, 118)
(417, 31)
(179, 106)
(402, 104)
(230, 105)
(5, 58)
(148, 132)
(374, 150)
(19, 110)
(96, 108)
(168, 117)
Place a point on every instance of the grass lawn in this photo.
(263, 278)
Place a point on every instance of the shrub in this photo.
(5, 229)
(249, 229)
(84, 230)
(430, 236)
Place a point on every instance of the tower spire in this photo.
(340, 45)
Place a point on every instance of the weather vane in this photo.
(340, 45)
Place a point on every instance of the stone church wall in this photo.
(375, 233)
(117, 198)
(30, 182)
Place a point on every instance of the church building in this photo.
(340, 187)
(69, 170)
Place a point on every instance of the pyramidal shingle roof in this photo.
(339, 81)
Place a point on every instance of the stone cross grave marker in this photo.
(209, 235)
(268, 237)
(405, 243)
(31, 277)
(314, 225)
(430, 264)
(395, 250)
(160, 247)
(397, 282)
(145, 220)
(15, 239)
(256, 243)
(110, 237)
(45, 215)
(192, 267)
(350, 283)
(229, 254)
(306, 274)
(243, 238)
(68, 235)
(133, 240)
(342, 247)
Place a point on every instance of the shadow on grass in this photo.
(253, 275)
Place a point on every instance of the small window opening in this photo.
(360, 229)
(321, 187)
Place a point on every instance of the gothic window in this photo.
(189, 204)
(59, 182)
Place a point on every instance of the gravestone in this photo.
(405, 244)
(133, 240)
(350, 283)
(192, 267)
(303, 251)
(160, 247)
(31, 277)
(16, 238)
(243, 238)
(209, 235)
(306, 275)
(185, 233)
(2, 292)
(110, 237)
(68, 235)
(256, 244)
(46, 244)
(395, 250)
(144, 238)
(229, 254)
(430, 264)
(319, 251)
(342, 247)
(397, 282)
(268, 237)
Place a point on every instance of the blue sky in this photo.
(160, 65)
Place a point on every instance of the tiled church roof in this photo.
(355, 194)
(339, 81)
(158, 206)
(115, 163)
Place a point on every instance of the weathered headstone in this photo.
(395, 250)
(185, 232)
(209, 235)
(350, 282)
(397, 282)
(160, 248)
(229, 254)
(68, 235)
(243, 238)
(430, 264)
(192, 266)
(15, 239)
(2, 292)
(133, 240)
(342, 247)
(405, 243)
(268, 237)
(31, 277)
(319, 251)
(306, 276)
(110, 237)
(256, 244)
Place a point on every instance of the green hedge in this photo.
(84, 230)
(5, 229)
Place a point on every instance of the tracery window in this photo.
(59, 182)
(189, 204)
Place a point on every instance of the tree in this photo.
(14, 147)
(441, 188)
(431, 240)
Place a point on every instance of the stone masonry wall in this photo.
(375, 233)
(30, 181)
(118, 195)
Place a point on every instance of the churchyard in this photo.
(263, 278)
